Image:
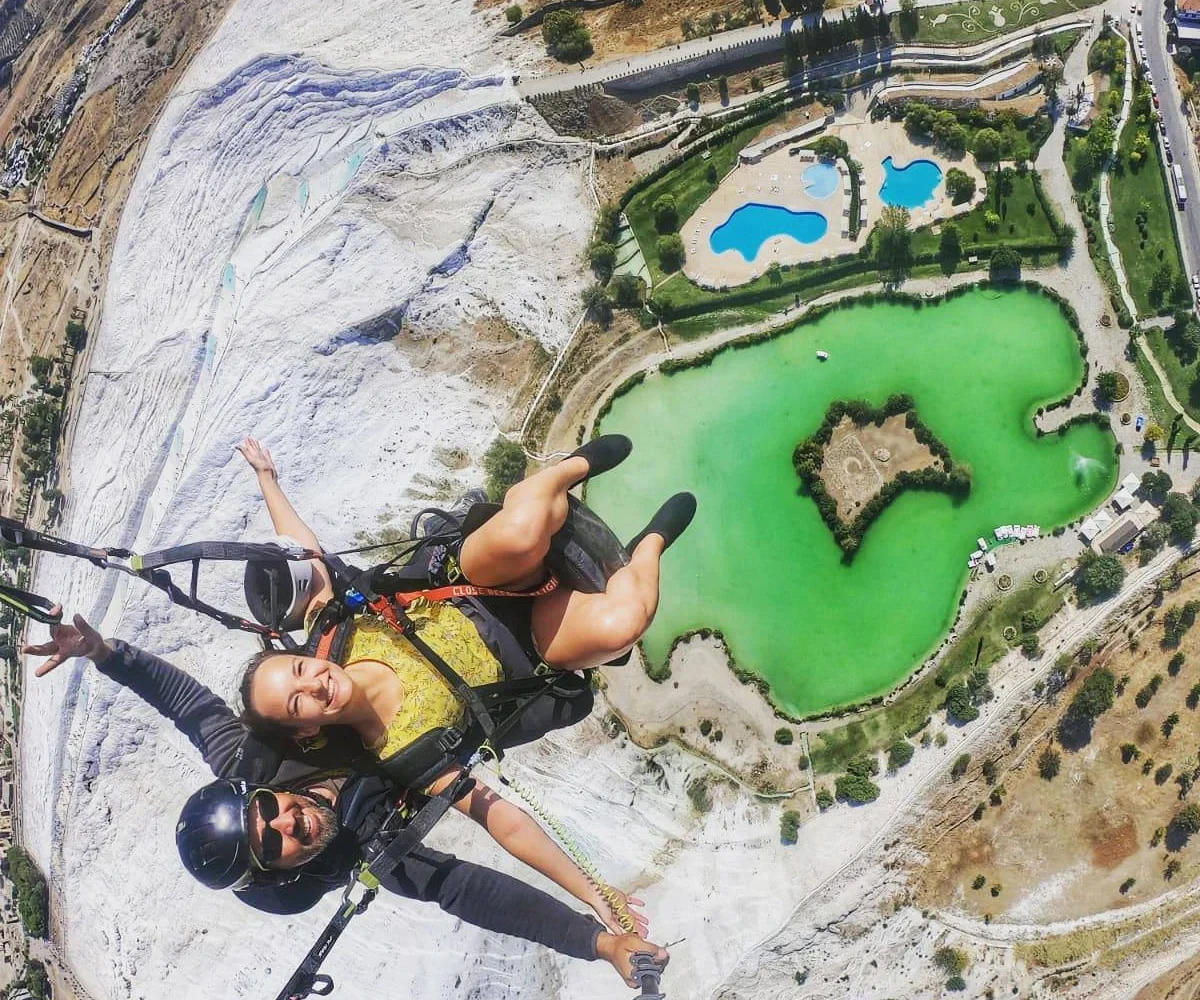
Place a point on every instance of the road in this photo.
(1154, 28)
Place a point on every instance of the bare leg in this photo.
(508, 550)
(574, 631)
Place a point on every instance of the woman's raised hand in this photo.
(67, 641)
(259, 458)
(610, 899)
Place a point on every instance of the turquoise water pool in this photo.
(753, 224)
(821, 180)
(910, 186)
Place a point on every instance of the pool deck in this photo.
(776, 180)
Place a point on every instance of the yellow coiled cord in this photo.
(616, 903)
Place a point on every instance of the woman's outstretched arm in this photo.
(284, 518)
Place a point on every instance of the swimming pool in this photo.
(821, 180)
(750, 226)
(910, 186)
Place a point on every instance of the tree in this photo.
(670, 252)
(899, 754)
(1186, 823)
(513, 13)
(693, 94)
(855, 789)
(1181, 518)
(989, 145)
(603, 258)
(893, 243)
(597, 304)
(1048, 763)
(959, 185)
(32, 895)
(789, 826)
(1156, 486)
(960, 707)
(1160, 283)
(1168, 727)
(1005, 262)
(666, 214)
(723, 89)
(959, 768)
(824, 798)
(1109, 386)
(627, 291)
(956, 984)
(784, 736)
(1098, 577)
(566, 36)
(992, 220)
(950, 246)
(831, 147)
(504, 467)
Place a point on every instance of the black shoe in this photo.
(603, 453)
(671, 521)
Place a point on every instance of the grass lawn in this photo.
(981, 644)
(1160, 410)
(968, 23)
(1133, 191)
(689, 185)
(1022, 218)
(1182, 375)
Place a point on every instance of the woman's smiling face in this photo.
(301, 693)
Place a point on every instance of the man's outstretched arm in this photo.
(226, 743)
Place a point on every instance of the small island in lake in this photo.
(861, 458)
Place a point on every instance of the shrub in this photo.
(693, 93)
(960, 765)
(950, 960)
(784, 736)
(956, 984)
(864, 766)
(1175, 665)
(1095, 695)
(855, 789)
(1004, 260)
(1142, 698)
(666, 214)
(979, 882)
(1187, 820)
(899, 754)
(513, 13)
(959, 705)
(824, 798)
(1169, 724)
(789, 826)
(1048, 763)
(1163, 774)
(627, 291)
(503, 466)
(566, 36)
(597, 304)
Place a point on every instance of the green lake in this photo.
(759, 563)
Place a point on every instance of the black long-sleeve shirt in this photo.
(477, 895)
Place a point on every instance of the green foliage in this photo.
(951, 961)
(627, 291)
(693, 93)
(831, 147)
(698, 794)
(1005, 262)
(566, 36)
(956, 984)
(1175, 665)
(1187, 821)
(1169, 724)
(1181, 517)
(513, 13)
(960, 707)
(893, 243)
(960, 765)
(1098, 577)
(899, 754)
(1109, 386)
(670, 252)
(33, 900)
(1163, 773)
(603, 258)
(988, 145)
(1142, 698)
(1049, 762)
(666, 214)
(1193, 698)
(824, 798)
(789, 826)
(76, 335)
(784, 736)
(1095, 695)
(978, 882)
(503, 466)
(1177, 619)
(950, 246)
(865, 766)
(855, 789)
(959, 185)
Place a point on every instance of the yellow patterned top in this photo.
(429, 702)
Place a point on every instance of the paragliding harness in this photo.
(584, 554)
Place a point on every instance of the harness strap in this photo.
(225, 551)
(306, 980)
(30, 605)
(408, 597)
(395, 617)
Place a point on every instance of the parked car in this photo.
(1154, 98)
(1162, 127)
(1196, 281)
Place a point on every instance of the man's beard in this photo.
(326, 835)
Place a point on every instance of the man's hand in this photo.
(619, 949)
(67, 641)
(259, 458)
(617, 901)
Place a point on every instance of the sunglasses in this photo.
(272, 840)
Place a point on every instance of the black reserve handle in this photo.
(648, 974)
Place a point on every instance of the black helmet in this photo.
(213, 834)
(278, 591)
